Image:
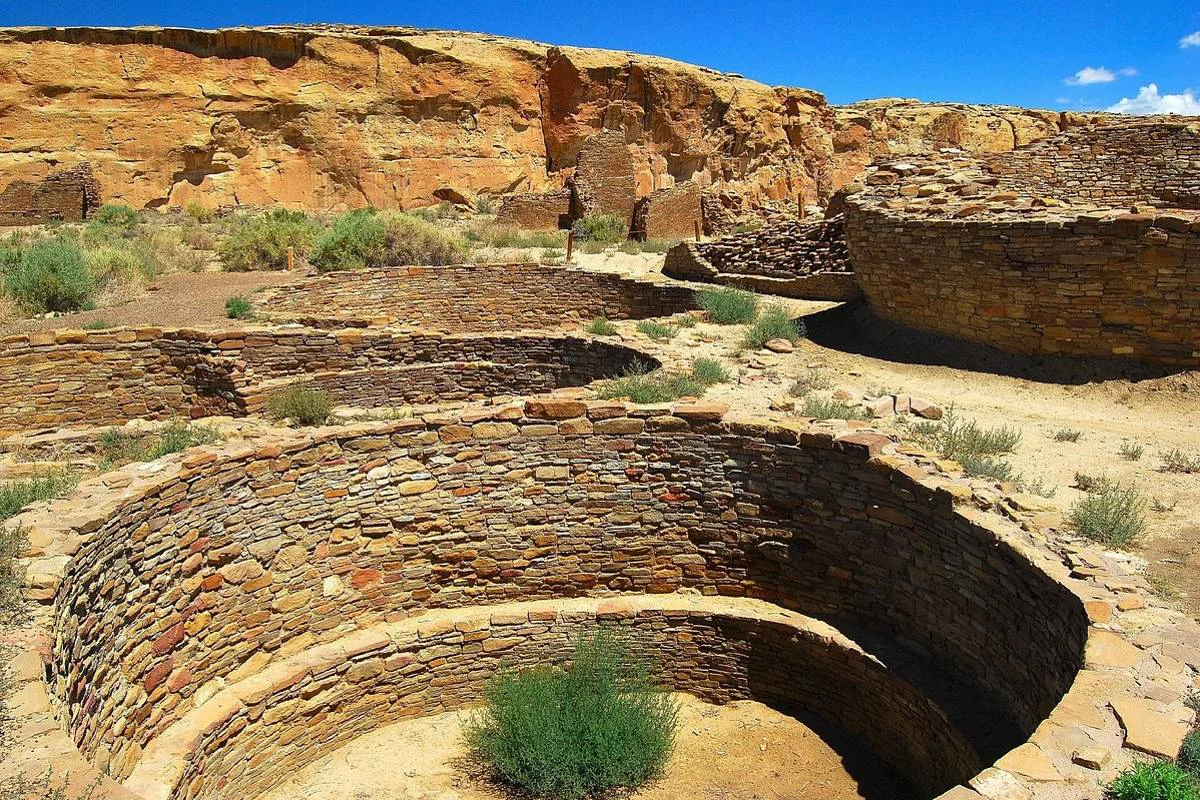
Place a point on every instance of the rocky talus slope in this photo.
(328, 117)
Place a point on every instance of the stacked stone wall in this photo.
(69, 195)
(671, 213)
(283, 546)
(539, 211)
(487, 297)
(108, 377)
(793, 258)
(604, 181)
(1037, 251)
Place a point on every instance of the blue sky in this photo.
(1075, 54)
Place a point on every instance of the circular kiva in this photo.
(222, 617)
(470, 297)
(1083, 244)
(108, 377)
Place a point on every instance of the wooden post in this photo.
(291, 258)
(800, 204)
(570, 244)
(697, 224)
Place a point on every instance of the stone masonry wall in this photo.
(719, 651)
(793, 258)
(279, 546)
(539, 211)
(604, 181)
(668, 213)
(472, 297)
(68, 195)
(108, 377)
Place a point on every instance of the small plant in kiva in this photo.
(830, 408)
(1111, 514)
(303, 405)
(774, 323)
(238, 307)
(1131, 450)
(1153, 780)
(728, 306)
(119, 447)
(600, 327)
(583, 731)
(709, 371)
(639, 385)
(812, 380)
(976, 448)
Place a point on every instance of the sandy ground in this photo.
(720, 752)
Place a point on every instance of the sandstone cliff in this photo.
(329, 117)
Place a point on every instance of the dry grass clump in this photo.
(657, 330)
(774, 323)
(1110, 513)
(119, 447)
(1067, 435)
(45, 485)
(709, 371)
(1176, 460)
(1131, 450)
(302, 405)
(600, 327)
(641, 386)
(830, 408)
(976, 448)
(726, 306)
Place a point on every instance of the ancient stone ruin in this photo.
(68, 195)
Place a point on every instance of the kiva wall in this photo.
(472, 297)
(281, 546)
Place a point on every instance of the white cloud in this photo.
(1089, 75)
(1149, 101)
(1191, 40)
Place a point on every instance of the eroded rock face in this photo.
(331, 117)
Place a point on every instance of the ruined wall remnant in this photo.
(603, 182)
(1086, 244)
(794, 258)
(68, 195)
(668, 213)
(538, 211)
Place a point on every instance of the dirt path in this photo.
(721, 751)
(186, 299)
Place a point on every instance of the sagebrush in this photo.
(580, 731)
(303, 405)
(1111, 514)
(728, 306)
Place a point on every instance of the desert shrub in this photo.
(658, 245)
(974, 447)
(1176, 460)
(118, 447)
(1189, 752)
(51, 276)
(97, 325)
(659, 386)
(262, 242)
(199, 212)
(238, 307)
(199, 238)
(571, 733)
(830, 408)
(684, 321)
(485, 204)
(366, 239)
(1067, 435)
(13, 542)
(1131, 450)
(512, 237)
(601, 327)
(709, 371)
(303, 405)
(657, 330)
(1153, 780)
(605, 228)
(118, 268)
(116, 215)
(164, 251)
(1111, 514)
(811, 381)
(728, 306)
(630, 247)
(774, 323)
(48, 484)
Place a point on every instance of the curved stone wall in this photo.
(203, 575)
(470, 297)
(1036, 251)
(108, 377)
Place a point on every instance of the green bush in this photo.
(97, 325)
(601, 327)
(606, 228)
(13, 542)
(238, 307)
(659, 386)
(1189, 754)
(200, 212)
(1111, 514)
(120, 447)
(1153, 780)
(774, 323)
(1177, 460)
(656, 330)
(258, 243)
(45, 485)
(973, 447)
(567, 734)
(1131, 450)
(367, 239)
(728, 306)
(1067, 435)
(51, 276)
(116, 215)
(709, 371)
(485, 204)
(303, 405)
